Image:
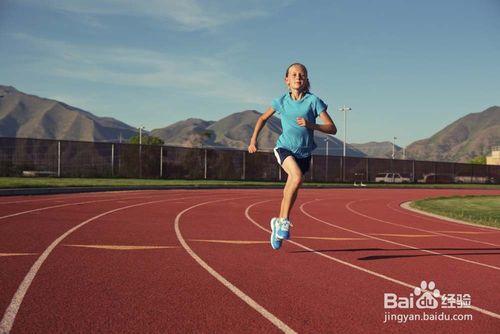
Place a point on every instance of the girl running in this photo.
(299, 109)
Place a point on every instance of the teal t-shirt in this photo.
(297, 139)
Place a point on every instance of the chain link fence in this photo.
(23, 156)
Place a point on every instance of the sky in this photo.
(406, 68)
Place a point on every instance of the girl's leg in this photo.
(292, 186)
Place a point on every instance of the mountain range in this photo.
(30, 116)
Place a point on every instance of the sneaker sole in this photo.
(273, 236)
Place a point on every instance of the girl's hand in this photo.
(252, 148)
(301, 121)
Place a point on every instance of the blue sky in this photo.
(406, 68)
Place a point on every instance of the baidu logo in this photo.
(426, 296)
(425, 299)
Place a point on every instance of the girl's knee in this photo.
(297, 179)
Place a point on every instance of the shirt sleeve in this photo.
(319, 106)
(277, 105)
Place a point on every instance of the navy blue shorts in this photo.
(281, 154)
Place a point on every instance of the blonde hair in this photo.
(308, 84)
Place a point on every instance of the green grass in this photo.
(483, 210)
(51, 182)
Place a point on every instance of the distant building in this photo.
(494, 158)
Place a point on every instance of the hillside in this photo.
(235, 131)
(30, 116)
(464, 139)
(379, 149)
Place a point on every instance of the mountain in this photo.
(30, 116)
(379, 149)
(464, 139)
(189, 132)
(235, 131)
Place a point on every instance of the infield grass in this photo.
(483, 210)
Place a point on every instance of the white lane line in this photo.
(60, 206)
(368, 271)
(393, 242)
(70, 204)
(438, 218)
(250, 302)
(348, 206)
(434, 232)
(16, 254)
(64, 197)
(11, 312)
(121, 247)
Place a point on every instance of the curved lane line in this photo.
(348, 206)
(438, 218)
(76, 203)
(368, 271)
(11, 311)
(61, 206)
(250, 302)
(393, 242)
(57, 198)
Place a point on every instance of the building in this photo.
(494, 158)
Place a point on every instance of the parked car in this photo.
(391, 178)
(437, 178)
(474, 179)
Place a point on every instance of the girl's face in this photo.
(296, 78)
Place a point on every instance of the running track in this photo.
(199, 261)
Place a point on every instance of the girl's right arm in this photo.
(252, 148)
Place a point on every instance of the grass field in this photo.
(484, 210)
(50, 182)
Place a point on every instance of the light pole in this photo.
(142, 127)
(345, 109)
(140, 149)
(327, 153)
(393, 147)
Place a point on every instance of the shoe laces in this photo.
(285, 225)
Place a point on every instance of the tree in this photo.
(479, 160)
(146, 140)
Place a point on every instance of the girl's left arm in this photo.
(327, 127)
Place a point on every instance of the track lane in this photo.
(164, 284)
(382, 255)
(314, 279)
(435, 238)
(312, 294)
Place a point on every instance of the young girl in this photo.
(298, 109)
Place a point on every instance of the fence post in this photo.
(244, 166)
(161, 162)
(112, 159)
(58, 158)
(205, 174)
(140, 161)
(342, 169)
(367, 170)
(413, 171)
(312, 168)
(326, 168)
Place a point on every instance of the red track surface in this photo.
(213, 270)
